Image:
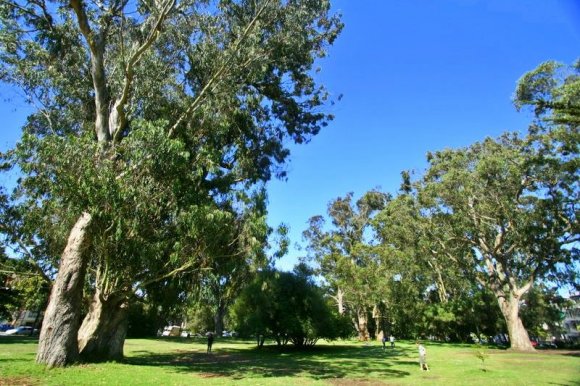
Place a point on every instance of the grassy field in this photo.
(184, 362)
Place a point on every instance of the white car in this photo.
(22, 330)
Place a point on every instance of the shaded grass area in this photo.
(239, 361)
(185, 362)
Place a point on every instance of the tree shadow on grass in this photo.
(18, 339)
(324, 362)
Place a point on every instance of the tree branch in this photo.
(30, 258)
(214, 79)
(96, 45)
(118, 118)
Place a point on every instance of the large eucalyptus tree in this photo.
(149, 115)
(513, 203)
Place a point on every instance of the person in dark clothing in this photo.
(209, 341)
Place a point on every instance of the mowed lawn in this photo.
(236, 362)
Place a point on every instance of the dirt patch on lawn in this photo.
(196, 357)
(210, 375)
(355, 382)
(574, 353)
(18, 381)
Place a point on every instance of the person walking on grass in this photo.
(392, 339)
(384, 340)
(422, 356)
(209, 341)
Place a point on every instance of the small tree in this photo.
(481, 354)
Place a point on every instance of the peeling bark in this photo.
(57, 345)
(103, 331)
(519, 339)
(340, 301)
(362, 325)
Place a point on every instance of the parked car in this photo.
(171, 331)
(5, 327)
(185, 334)
(22, 330)
(546, 344)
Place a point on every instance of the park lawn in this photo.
(184, 362)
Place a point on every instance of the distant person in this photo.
(209, 341)
(260, 340)
(422, 357)
(392, 339)
(384, 340)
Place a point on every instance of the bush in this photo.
(289, 308)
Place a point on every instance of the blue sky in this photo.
(416, 76)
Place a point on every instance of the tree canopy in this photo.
(156, 124)
(287, 307)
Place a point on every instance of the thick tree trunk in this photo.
(519, 339)
(219, 319)
(378, 325)
(102, 334)
(57, 345)
(362, 325)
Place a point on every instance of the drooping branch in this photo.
(29, 256)
(214, 80)
(172, 273)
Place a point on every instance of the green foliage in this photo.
(483, 225)
(21, 287)
(286, 307)
(343, 253)
(200, 316)
(144, 320)
(512, 202)
(163, 121)
(553, 90)
(542, 312)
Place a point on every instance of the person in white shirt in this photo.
(422, 357)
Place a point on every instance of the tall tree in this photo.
(147, 114)
(512, 201)
(344, 258)
(234, 262)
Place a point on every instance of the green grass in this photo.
(184, 362)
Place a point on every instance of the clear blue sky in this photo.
(416, 76)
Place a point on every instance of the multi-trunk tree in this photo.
(149, 115)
